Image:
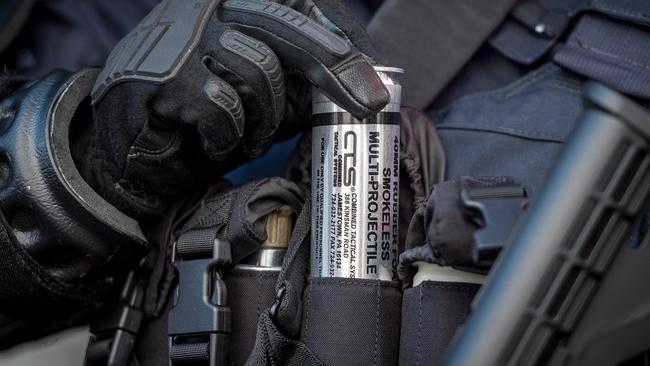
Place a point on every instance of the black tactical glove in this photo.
(201, 86)
(62, 246)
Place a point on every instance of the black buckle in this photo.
(199, 322)
(495, 208)
(116, 328)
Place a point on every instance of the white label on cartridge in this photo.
(355, 188)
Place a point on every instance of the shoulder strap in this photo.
(610, 44)
(433, 39)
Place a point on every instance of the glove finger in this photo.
(210, 105)
(302, 44)
(255, 72)
(223, 133)
(336, 16)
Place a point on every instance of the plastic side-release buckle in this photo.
(199, 322)
(495, 208)
(115, 330)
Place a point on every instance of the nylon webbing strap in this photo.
(196, 243)
(432, 40)
(610, 51)
(635, 11)
(189, 352)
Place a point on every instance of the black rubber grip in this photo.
(157, 48)
(293, 19)
(263, 58)
(225, 97)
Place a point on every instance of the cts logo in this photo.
(349, 158)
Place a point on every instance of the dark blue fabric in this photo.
(514, 131)
(635, 11)
(612, 52)
(533, 28)
(72, 34)
(488, 70)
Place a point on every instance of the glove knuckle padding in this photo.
(225, 97)
(158, 47)
(228, 76)
(305, 45)
(262, 57)
(286, 22)
(256, 73)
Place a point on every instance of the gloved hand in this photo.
(201, 86)
(62, 247)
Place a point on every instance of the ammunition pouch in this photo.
(284, 317)
(309, 321)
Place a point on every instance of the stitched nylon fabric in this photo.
(352, 321)
(431, 314)
(611, 52)
(189, 352)
(275, 343)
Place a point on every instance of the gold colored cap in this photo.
(279, 226)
